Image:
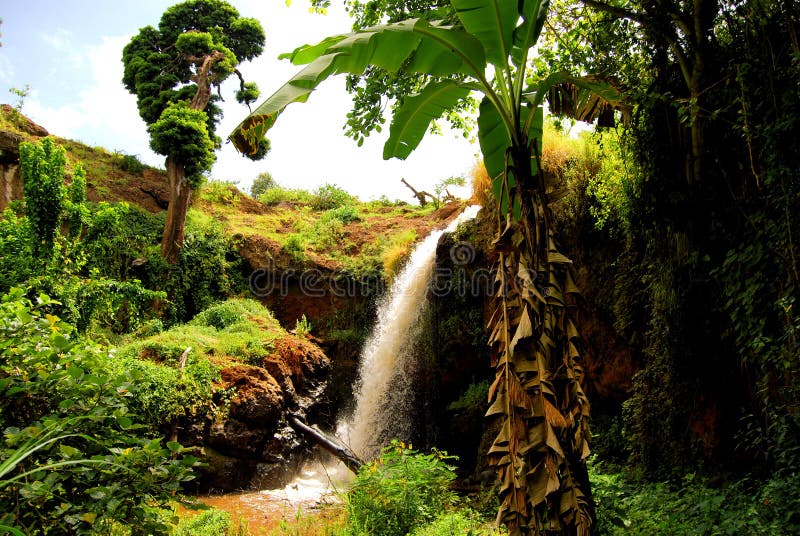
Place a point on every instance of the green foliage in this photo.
(21, 95)
(460, 522)
(206, 271)
(42, 168)
(75, 210)
(473, 400)
(223, 192)
(241, 330)
(130, 163)
(182, 133)
(16, 250)
(69, 460)
(401, 490)
(262, 184)
(302, 327)
(295, 246)
(279, 194)
(248, 94)
(212, 522)
(330, 196)
(344, 213)
(627, 506)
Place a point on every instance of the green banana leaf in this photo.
(412, 119)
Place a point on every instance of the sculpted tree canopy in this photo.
(172, 70)
(537, 397)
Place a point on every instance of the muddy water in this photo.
(317, 484)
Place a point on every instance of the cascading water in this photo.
(388, 358)
(382, 388)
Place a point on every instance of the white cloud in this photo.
(61, 39)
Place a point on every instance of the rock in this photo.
(306, 362)
(223, 473)
(235, 438)
(259, 399)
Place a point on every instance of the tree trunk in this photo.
(180, 194)
(330, 443)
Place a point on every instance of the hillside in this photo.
(369, 238)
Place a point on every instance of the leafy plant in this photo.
(278, 194)
(400, 490)
(263, 182)
(42, 168)
(72, 458)
(212, 522)
(302, 327)
(329, 196)
(130, 163)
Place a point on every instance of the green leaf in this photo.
(534, 13)
(492, 22)
(494, 140)
(412, 119)
(60, 342)
(174, 446)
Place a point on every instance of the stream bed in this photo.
(317, 484)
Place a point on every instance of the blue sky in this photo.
(69, 53)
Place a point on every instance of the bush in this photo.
(262, 184)
(16, 253)
(69, 460)
(278, 194)
(130, 163)
(223, 192)
(462, 522)
(401, 490)
(626, 506)
(344, 214)
(329, 196)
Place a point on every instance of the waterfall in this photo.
(387, 361)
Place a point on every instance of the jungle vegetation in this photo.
(677, 217)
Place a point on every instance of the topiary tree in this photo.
(172, 69)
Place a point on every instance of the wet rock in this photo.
(259, 399)
(235, 438)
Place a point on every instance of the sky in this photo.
(69, 53)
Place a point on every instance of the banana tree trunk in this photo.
(180, 194)
(537, 394)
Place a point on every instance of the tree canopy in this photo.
(172, 70)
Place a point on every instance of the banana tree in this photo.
(537, 399)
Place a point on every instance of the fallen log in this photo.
(330, 443)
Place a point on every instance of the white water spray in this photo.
(388, 356)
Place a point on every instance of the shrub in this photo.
(223, 192)
(16, 253)
(295, 246)
(458, 523)
(329, 196)
(42, 168)
(212, 522)
(278, 194)
(401, 490)
(130, 163)
(344, 214)
(69, 462)
(262, 184)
